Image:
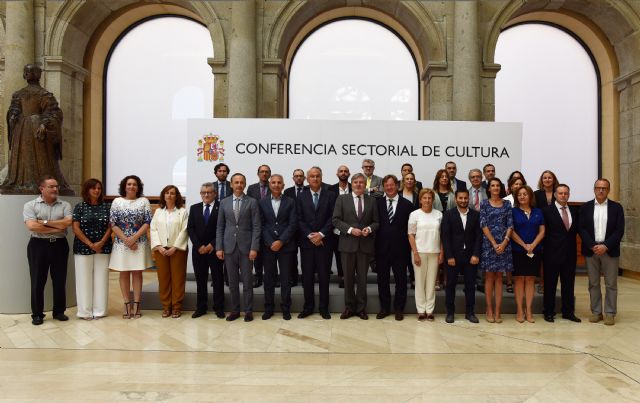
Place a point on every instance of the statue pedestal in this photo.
(15, 287)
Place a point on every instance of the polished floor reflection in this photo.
(208, 359)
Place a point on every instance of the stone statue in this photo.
(34, 123)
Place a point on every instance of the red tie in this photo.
(565, 217)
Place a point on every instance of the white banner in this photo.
(285, 144)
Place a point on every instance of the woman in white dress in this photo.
(130, 218)
(424, 238)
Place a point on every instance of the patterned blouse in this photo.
(94, 222)
(129, 216)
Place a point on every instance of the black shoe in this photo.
(346, 314)
(572, 318)
(450, 318)
(480, 288)
(265, 316)
(233, 316)
(248, 317)
(293, 283)
(277, 284)
(286, 315)
(220, 314)
(198, 314)
(382, 315)
(472, 318)
(341, 284)
(549, 318)
(363, 315)
(61, 317)
(399, 316)
(304, 314)
(325, 315)
(37, 320)
(257, 282)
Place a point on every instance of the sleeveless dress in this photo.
(498, 220)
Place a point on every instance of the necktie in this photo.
(359, 207)
(298, 192)
(236, 208)
(565, 217)
(476, 200)
(315, 200)
(263, 191)
(390, 210)
(207, 214)
(221, 191)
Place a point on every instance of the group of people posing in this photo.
(426, 237)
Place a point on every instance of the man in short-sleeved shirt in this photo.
(47, 218)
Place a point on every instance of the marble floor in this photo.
(207, 359)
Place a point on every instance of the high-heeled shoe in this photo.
(490, 319)
(136, 310)
(530, 319)
(127, 311)
(498, 319)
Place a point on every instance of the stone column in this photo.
(19, 47)
(466, 61)
(242, 60)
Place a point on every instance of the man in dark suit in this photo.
(222, 185)
(452, 170)
(293, 192)
(237, 243)
(356, 217)
(314, 208)
(392, 249)
(601, 230)
(560, 255)
(279, 224)
(341, 187)
(461, 238)
(201, 227)
(259, 191)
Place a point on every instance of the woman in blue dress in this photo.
(496, 221)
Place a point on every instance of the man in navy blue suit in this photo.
(452, 170)
(392, 247)
(201, 227)
(279, 224)
(601, 230)
(461, 238)
(315, 208)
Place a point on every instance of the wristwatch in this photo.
(45, 222)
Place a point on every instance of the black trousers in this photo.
(398, 264)
(469, 272)
(272, 260)
(202, 264)
(316, 260)
(567, 273)
(48, 257)
(356, 267)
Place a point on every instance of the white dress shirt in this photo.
(275, 204)
(600, 215)
(559, 207)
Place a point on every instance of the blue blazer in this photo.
(315, 220)
(281, 227)
(615, 228)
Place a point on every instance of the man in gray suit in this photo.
(356, 217)
(373, 183)
(237, 242)
(477, 193)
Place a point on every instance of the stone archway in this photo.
(82, 36)
(410, 20)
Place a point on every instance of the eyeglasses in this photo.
(206, 193)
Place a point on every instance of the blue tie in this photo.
(315, 200)
(207, 214)
(221, 192)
